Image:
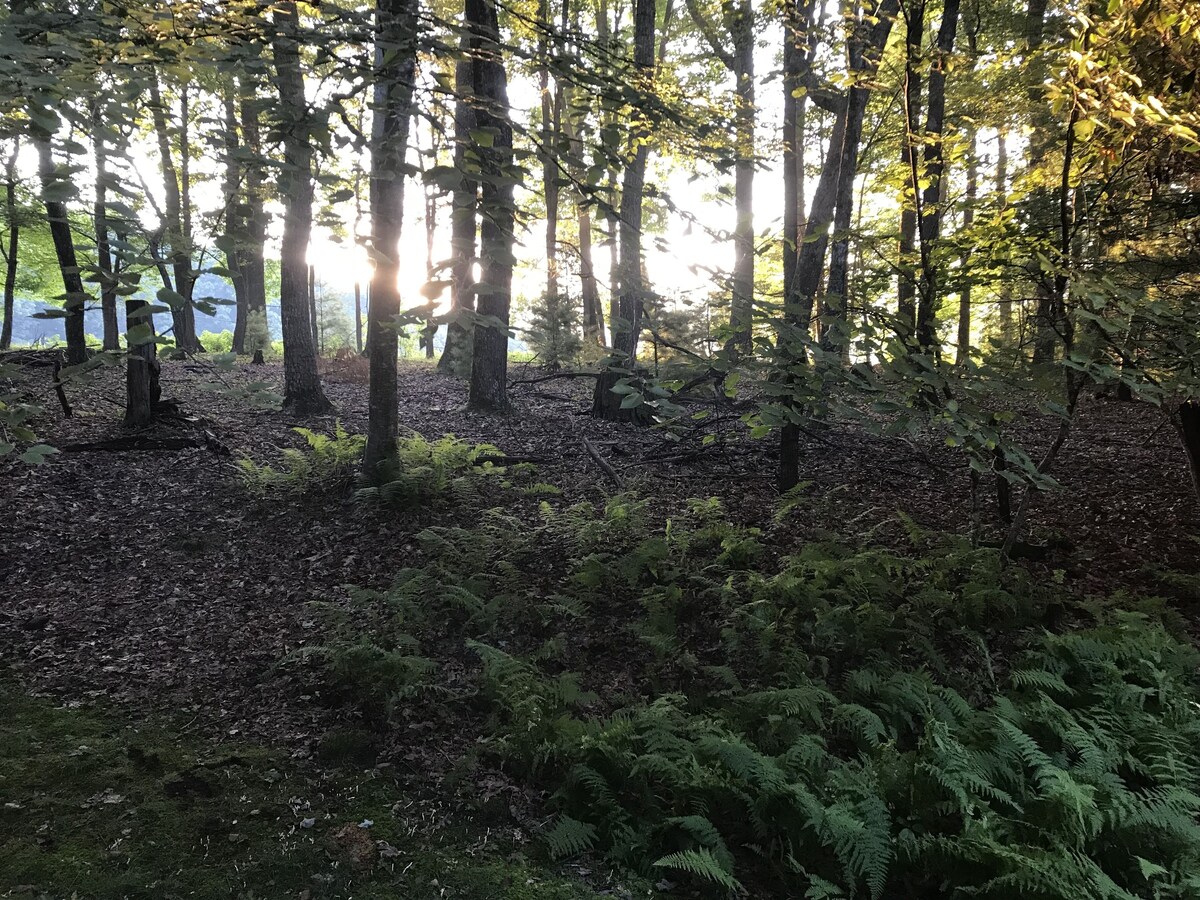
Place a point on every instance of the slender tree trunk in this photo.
(302, 384)
(64, 251)
(312, 308)
(551, 101)
(964, 290)
(810, 257)
(14, 242)
(1005, 311)
(627, 324)
(104, 261)
(742, 308)
(593, 311)
(906, 286)
(929, 225)
(182, 316)
(796, 62)
(488, 390)
(235, 229)
(253, 258)
(395, 64)
(464, 226)
(358, 311)
(142, 388)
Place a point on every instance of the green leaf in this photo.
(36, 455)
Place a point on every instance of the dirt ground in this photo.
(153, 581)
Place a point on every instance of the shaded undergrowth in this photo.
(846, 721)
(95, 807)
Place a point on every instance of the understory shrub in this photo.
(842, 722)
(424, 471)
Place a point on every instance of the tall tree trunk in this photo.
(742, 309)
(593, 311)
(798, 16)
(739, 23)
(358, 320)
(488, 390)
(464, 200)
(1005, 311)
(627, 324)
(906, 286)
(551, 113)
(64, 251)
(253, 259)
(929, 225)
(801, 293)
(104, 261)
(964, 290)
(14, 243)
(302, 384)
(395, 66)
(235, 227)
(142, 388)
(182, 315)
(835, 323)
(312, 308)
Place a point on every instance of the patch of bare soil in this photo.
(149, 577)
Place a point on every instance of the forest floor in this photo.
(152, 585)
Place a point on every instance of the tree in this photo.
(737, 56)
(464, 210)
(626, 321)
(12, 243)
(176, 224)
(394, 73)
(303, 395)
(488, 389)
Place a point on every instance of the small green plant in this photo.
(327, 464)
(258, 335)
(554, 330)
(425, 471)
(844, 722)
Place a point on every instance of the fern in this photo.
(569, 837)
(702, 864)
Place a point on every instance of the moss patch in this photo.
(95, 808)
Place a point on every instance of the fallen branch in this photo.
(137, 442)
(602, 463)
(542, 378)
(503, 460)
(58, 387)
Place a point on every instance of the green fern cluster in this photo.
(845, 722)
(425, 471)
(327, 463)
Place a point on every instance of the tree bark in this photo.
(1005, 305)
(104, 261)
(302, 384)
(739, 23)
(627, 324)
(464, 226)
(183, 317)
(551, 103)
(14, 242)
(964, 290)
(235, 228)
(64, 251)
(906, 288)
(809, 264)
(255, 218)
(929, 225)
(488, 389)
(395, 66)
